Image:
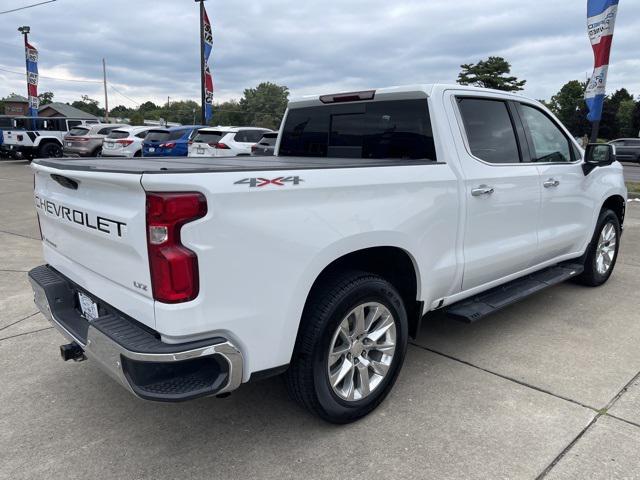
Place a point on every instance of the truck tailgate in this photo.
(94, 231)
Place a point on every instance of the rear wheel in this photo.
(602, 252)
(50, 150)
(350, 348)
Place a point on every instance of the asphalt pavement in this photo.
(548, 388)
(632, 172)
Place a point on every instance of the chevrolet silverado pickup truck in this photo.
(187, 277)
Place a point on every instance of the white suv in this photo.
(225, 141)
(125, 142)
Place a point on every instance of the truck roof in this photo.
(401, 92)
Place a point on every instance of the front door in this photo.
(566, 203)
(503, 193)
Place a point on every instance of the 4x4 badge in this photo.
(263, 182)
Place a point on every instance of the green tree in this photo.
(624, 119)
(491, 73)
(228, 113)
(121, 111)
(264, 105)
(136, 118)
(609, 124)
(569, 106)
(45, 98)
(89, 105)
(636, 120)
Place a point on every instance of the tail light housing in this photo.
(124, 143)
(173, 267)
(167, 145)
(221, 146)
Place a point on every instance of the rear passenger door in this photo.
(502, 191)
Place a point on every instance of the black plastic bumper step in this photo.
(478, 307)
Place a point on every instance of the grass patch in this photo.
(633, 187)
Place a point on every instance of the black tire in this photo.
(97, 152)
(50, 150)
(591, 276)
(138, 154)
(307, 378)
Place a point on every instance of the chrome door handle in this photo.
(482, 190)
(552, 182)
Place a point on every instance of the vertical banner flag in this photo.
(32, 78)
(601, 19)
(208, 78)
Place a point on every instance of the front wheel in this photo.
(602, 252)
(350, 348)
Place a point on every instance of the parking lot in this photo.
(548, 388)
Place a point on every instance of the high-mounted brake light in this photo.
(173, 267)
(348, 97)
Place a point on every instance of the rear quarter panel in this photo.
(261, 248)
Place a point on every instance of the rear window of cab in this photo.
(395, 129)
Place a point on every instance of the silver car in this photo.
(86, 140)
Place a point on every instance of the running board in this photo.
(475, 308)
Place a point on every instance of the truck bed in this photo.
(220, 164)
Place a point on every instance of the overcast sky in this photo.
(312, 46)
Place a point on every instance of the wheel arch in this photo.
(617, 204)
(392, 262)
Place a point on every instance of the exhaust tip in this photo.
(72, 351)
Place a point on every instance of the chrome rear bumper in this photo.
(133, 355)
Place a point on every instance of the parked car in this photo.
(125, 142)
(168, 142)
(225, 141)
(86, 141)
(186, 279)
(627, 149)
(40, 137)
(266, 146)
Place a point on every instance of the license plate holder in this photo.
(200, 150)
(88, 307)
(152, 149)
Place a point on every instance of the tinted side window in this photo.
(248, 136)
(386, 129)
(549, 142)
(490, 131)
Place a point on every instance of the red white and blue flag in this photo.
(208, 78)
(32, 78)
(601, 20)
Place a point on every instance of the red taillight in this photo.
(124, 143)
(221, 146)
(167, 145)
(174, 268)
(254, 148)
(76, 139)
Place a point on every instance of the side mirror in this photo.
(598, 155)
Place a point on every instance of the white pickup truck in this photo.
(188, 277)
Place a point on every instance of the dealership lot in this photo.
(548, 387)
